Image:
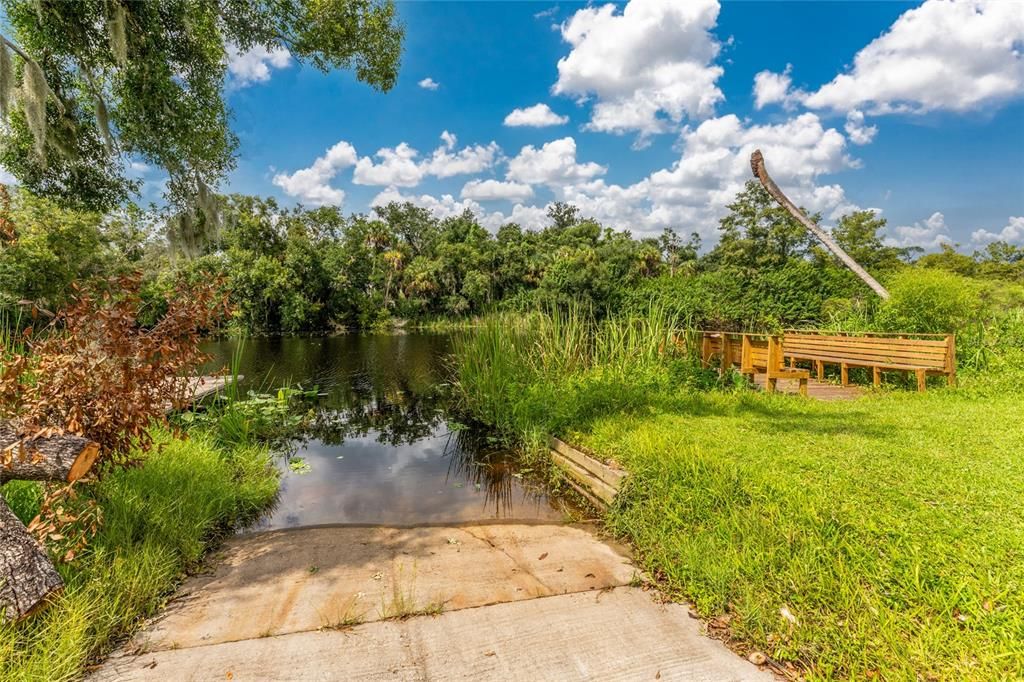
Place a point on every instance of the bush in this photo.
(929, 301)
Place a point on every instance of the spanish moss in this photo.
(34, 90)
(118, 35)
(6, 80)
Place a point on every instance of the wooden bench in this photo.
(753, 354)
(924, 356)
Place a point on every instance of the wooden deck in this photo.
(820, 390)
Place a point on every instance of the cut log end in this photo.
(84, 462)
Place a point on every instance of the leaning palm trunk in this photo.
(761, 173)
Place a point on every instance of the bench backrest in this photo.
(935, 355)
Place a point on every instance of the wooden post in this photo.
(774, 364)
(922, 382)
(803, 386)
(844, 374)
(774, 356)
(876, 376)
(726, 354)
(745, 361)
(951, 359)
(820, 366)
(705, 350)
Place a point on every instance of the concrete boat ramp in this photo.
(478, 601)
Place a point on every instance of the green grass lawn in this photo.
(158, 520)
(879, 538)
(890, 528)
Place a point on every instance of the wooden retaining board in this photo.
(597, 481)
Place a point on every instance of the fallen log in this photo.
(27, 577)
(53, 458)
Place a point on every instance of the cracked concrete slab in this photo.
(616, 634)
(288, 581)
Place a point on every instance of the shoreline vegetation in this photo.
(159, 519)
(882, 537)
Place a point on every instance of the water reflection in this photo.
(381, 448)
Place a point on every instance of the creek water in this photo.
(383, 445)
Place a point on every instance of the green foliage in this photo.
(290, 270)
(931, 301)
(270, 418)
(529, 375)
(101, 80)
(158, 520)
(53, 248)
(871, 538)
(757, 233)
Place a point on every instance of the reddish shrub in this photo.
(96, 372)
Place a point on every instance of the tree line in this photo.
(298, 269)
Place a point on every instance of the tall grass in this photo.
(11, 340)
(158, 520)
(536, 373)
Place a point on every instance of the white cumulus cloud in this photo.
(553, 164)
(690, 195)
(446, 206)
(400, 166)
(1013, 233)
(775, 88)
(857, 130)
(255, 65)
(955, 56)
(429, 83)
(715, 164)
(537, 116)
(445, 162)
(646, 67)
(7, 178)
(312, 185)
(485, 190)
(396, 166)
(930, 233)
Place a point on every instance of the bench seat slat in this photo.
(879, 343)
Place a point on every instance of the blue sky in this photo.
(914, 110)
